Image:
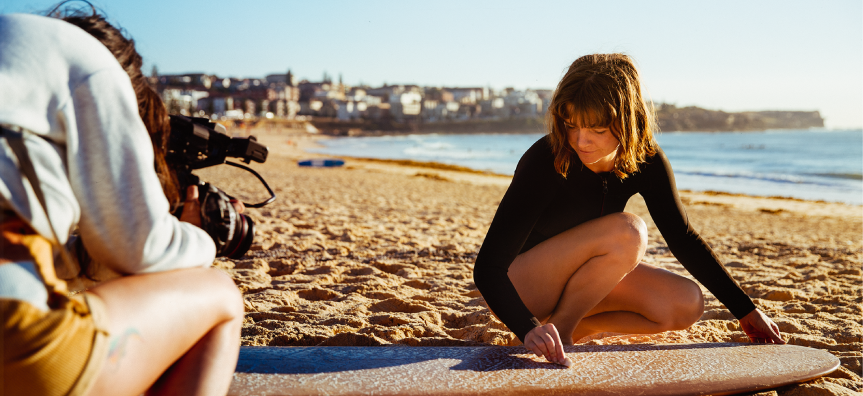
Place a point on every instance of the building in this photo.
(282, 96)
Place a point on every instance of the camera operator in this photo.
(75, 152)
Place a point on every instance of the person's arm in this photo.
(125, 220)
(666, 209)
(533, 185)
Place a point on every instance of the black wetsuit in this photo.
(540, 204)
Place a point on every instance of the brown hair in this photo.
(150, 106)
(603, 90)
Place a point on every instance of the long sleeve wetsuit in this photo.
(540, 203)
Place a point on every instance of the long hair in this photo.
(603, 90)
(150, 106)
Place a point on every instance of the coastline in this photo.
(349, 132)
(445, 166)
(380, 252)
(668, 117)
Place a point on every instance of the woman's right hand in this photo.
(545, 341)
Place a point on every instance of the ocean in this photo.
(806, 164)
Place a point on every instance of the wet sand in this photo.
(377, 253)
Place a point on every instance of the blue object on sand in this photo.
(321, 163)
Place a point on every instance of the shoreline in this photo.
(449, 167)
(350, 132)
(671, 117)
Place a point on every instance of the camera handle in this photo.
(267, 186)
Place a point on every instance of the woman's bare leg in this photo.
(564, 277)
(180, 328)
(648, 300)
(567, 280)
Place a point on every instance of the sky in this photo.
(725, 55)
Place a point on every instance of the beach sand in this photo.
(377, 253)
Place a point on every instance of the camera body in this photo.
(232, 232)
(197, 143)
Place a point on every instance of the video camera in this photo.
(197, 143)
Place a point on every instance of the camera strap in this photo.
(14, 136)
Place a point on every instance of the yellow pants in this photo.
(59, 352)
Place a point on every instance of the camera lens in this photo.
(239, 243)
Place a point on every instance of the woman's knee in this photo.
(688, 306)
(225, 292)
(627, 230)
(632, 226)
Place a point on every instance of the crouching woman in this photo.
(561, 259)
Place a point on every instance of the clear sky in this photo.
(728, 55)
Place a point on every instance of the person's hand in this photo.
(191, 208)
(238, 205)
(760, 328)
(545, 341)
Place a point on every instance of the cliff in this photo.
(691, 119)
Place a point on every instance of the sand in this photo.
(377, 253)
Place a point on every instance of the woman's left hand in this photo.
(191, 208)
(760, 328)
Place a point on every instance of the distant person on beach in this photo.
(561, 259)
(75, 113)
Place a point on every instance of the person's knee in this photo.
(628, 232)
(228, 296)
(634, 228)
(688, 306)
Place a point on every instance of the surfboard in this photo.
(672, 369)
(321, 162)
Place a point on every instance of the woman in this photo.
(562, 260)
(172, 325)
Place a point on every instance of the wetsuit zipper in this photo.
(604, 193)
